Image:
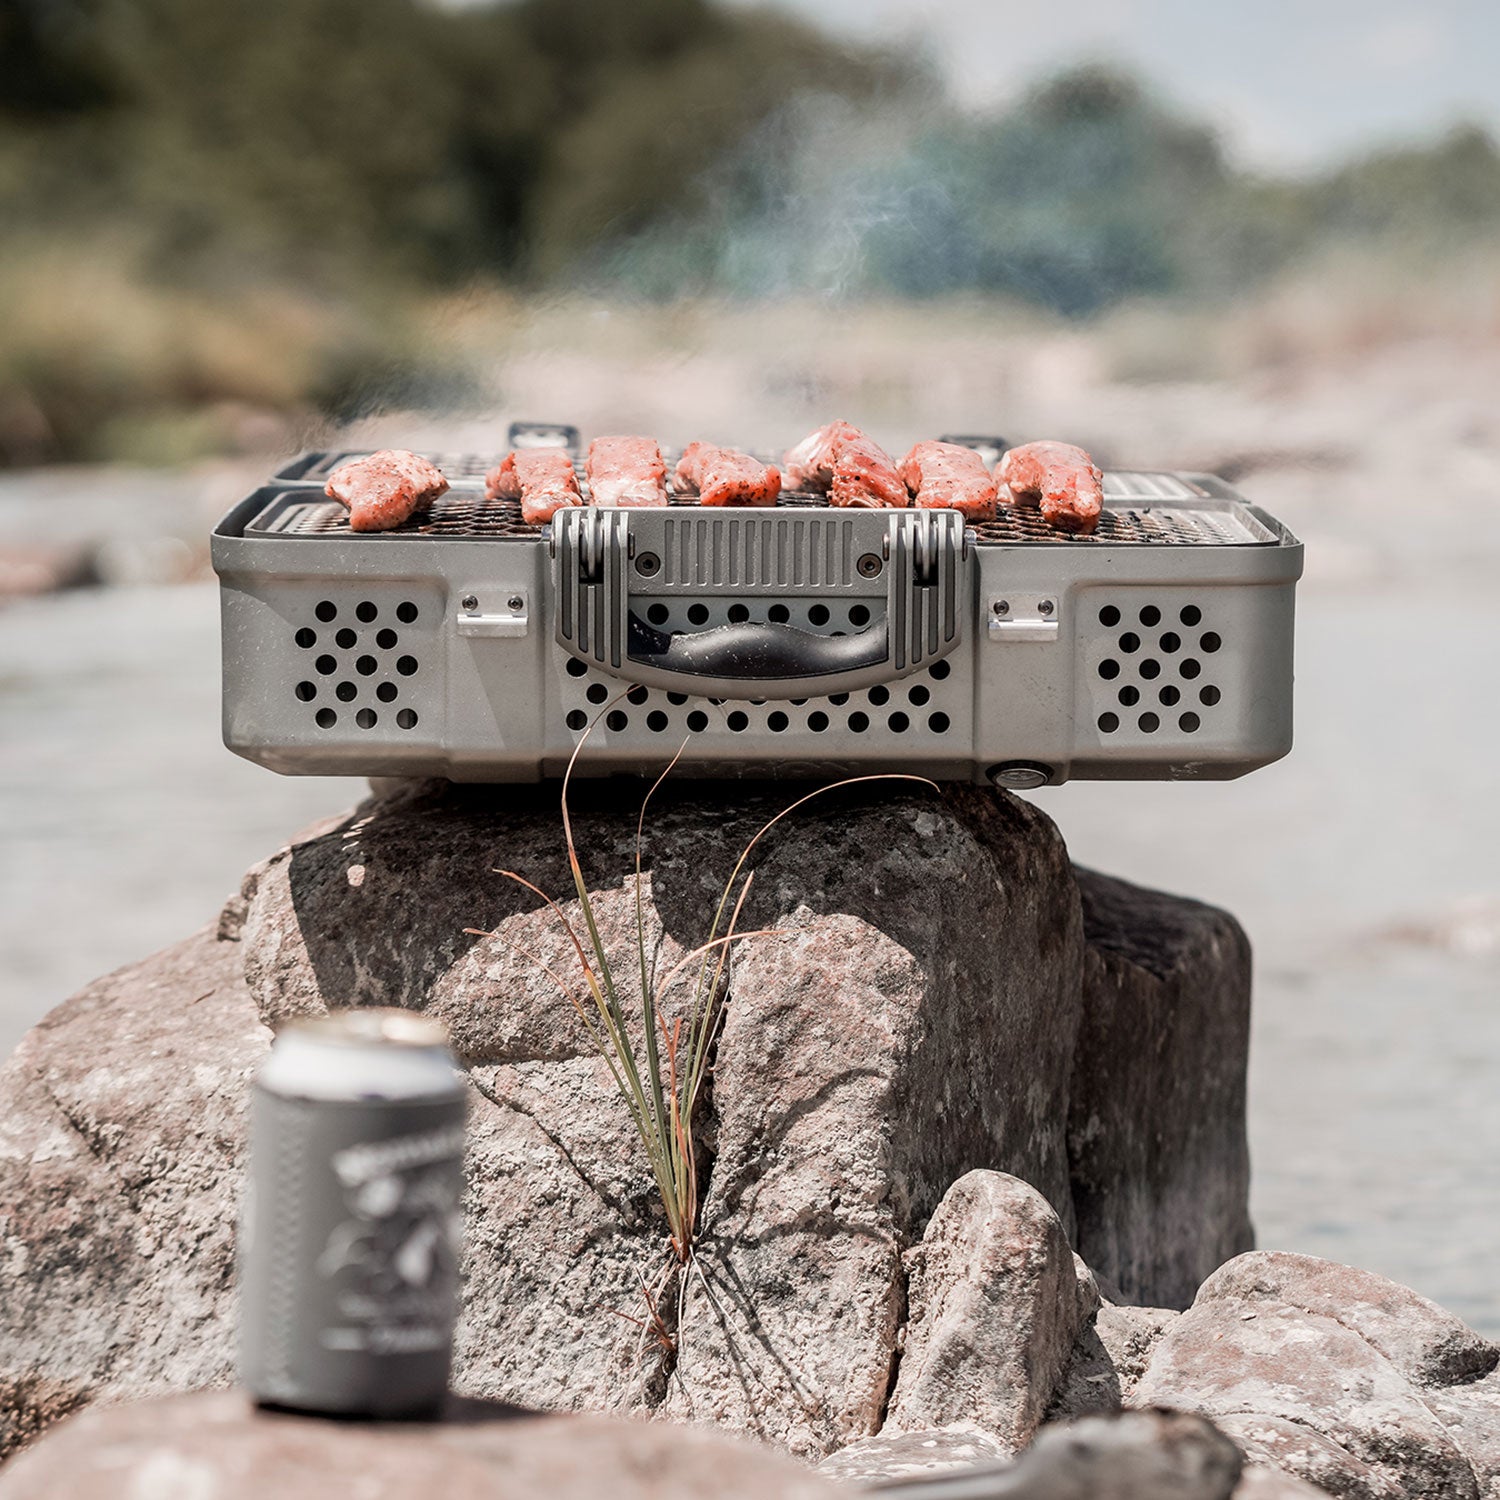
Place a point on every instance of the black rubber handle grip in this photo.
(757, 652)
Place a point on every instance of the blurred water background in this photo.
(724, 222)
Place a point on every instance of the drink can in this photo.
(349, 1238)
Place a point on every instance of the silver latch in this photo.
(590, 557)
(505, 615)
(1024, 617)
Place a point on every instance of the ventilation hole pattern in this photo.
(917, 706)
(674, 614)
(1152, 658)
(360, 652)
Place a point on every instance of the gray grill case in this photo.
(794, 641)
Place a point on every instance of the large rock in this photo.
(995, 1309)
(216, 1446)
(121, 1155)
(926, 1008)
(1351, 1382)
(1471, 1413)
(1156, 1140)
(1425, 1342)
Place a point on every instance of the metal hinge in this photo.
(506, 617)
(1024, 617)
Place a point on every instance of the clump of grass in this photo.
(662, 1080)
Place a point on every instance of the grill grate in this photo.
(1157, 510)
(1169, 525)
(462, 513)
(459, 513)
(460, 468)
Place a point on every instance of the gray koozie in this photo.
(349, 1253)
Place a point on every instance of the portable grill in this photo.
(802, 640)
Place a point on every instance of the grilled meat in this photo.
(809, 466)
(725, 476)
(850, 466)
(542, 479)
(864, 474)
(626, 471)
(948, 476)
(386, 488)
(1060, 479)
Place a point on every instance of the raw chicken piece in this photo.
(384, 489)
(725, 476)
(852, 467)
(948, 476)
(1063, 480)
(542, 479)
(626, 471)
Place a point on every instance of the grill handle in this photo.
(598, 553)
(757, 652)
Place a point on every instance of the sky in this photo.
(1293, 85)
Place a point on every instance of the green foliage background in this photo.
(207, 199)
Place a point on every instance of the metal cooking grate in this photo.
(1171, 525)
(459, 513)
(460, 468)
(1159, 510)
(462, 513)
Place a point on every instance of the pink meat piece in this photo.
(948, 476)
(809, 466)
(626, 471)
(849, 465)
(542, 479)
(1061, 480)
(725, 476)
(386, 488)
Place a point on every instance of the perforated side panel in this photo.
(926, 708)
(356, 661)
(1157, 669)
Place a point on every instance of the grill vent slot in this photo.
(1142, 485)
(749, 552)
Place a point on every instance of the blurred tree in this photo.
(309, 137)
(1086, 192)
(1420, 196)
(50, 60)
(670, 144)
(663, 143)
(197, 152)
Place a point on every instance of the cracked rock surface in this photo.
(944, 996)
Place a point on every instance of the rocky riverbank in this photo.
(970, 1157)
